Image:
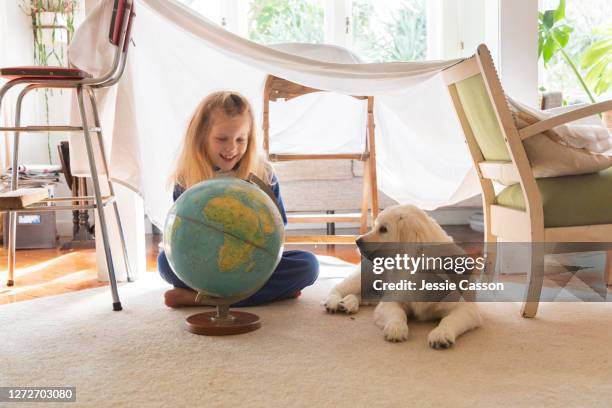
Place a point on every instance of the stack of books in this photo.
(33, 175)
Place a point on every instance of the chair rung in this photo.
(318, 218)
(51, 204)
(288, 157)
(46, 129)
(320, 239)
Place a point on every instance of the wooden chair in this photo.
(549, 210)
(278, 88)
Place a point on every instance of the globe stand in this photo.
(223, 322)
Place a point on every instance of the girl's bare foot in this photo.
(179, 297)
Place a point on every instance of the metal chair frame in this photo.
(88, 85)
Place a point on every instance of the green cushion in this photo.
(570, 200)
(481, 117)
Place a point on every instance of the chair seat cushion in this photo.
(569, 200)
(52, 73)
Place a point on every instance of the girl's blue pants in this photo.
(295, 271)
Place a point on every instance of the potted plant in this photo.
(53, 27)
(553, 36)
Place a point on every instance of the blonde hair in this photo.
(194, 164)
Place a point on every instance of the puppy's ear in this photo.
(411, 229)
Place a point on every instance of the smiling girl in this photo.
(221, 142)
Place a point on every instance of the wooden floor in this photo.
(46, 272)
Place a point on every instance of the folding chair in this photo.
(278, 88)
(82, 82)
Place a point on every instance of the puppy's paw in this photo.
(441, 338)
(395, 331)
(332, 302)
(349, 304)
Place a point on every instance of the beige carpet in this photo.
(142, 356)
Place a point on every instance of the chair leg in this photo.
(331, 226)
(372, 159)
(10, 279)
(608, 268)
(94, 106)
(373, 188)
(99, 201)
(363, 228)
(489, 251)
(535, 280)
(12, 229)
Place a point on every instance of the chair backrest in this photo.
(481, 117)
(114, 34)
(488, 126)
(119, 36)
(276, 88)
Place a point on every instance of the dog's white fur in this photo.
(407, 223)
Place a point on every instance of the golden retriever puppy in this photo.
(406, 224)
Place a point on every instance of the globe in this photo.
(223, 237)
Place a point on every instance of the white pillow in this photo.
(569, 149)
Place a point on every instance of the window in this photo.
(278, 21)
(389, 31)
(586, 19)
(209, 9)
(393, 30)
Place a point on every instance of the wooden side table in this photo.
(82, 231)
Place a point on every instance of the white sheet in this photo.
(179, 57)
(588, 133)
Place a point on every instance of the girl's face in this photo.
(228, 139)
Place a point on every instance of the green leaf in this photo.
(596, 51)
(606, 31)
(602, 85)
(594, 73)
(549, 18)
(600, 75)
(548, 50)
(561, 36)
(560, 11)
(540, 45)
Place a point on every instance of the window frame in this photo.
(445, 34)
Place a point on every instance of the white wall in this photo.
(508, 27)
(511, 32)
(454, 27)
(17, 49)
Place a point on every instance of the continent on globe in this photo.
(224, 237)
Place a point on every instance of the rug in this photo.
(142, 356)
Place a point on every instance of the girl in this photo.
(221, 141)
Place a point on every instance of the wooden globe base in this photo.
(222, 322)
